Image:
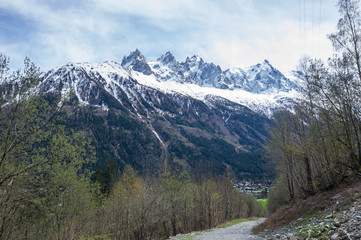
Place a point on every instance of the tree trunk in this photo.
(309, 184)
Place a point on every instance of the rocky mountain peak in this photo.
(137, 62)
(167, 59)
(194, 59)
(267, 65)
(264, 78)
(264, 66)
(133, 57)
(266, 62)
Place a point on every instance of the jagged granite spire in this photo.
(137, 62)
(264, 78)
(167, 59)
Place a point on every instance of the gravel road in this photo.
(236, 232)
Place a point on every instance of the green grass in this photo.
(263, 202)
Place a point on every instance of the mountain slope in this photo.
(165, 114)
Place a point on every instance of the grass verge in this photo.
(263, 202)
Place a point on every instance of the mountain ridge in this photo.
(261, 87)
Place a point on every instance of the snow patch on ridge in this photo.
(261, 103)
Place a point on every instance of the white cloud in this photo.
(281, 45)
(234, 33)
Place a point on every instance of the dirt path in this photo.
(241, 231)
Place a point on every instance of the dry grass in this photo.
(300, 207)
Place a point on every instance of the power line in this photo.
(307, 39)
(313, 23)
(300, 25)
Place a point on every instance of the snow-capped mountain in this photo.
(260, 87)
(260, 78)
(191, 114)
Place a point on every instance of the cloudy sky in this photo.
(231, 33)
